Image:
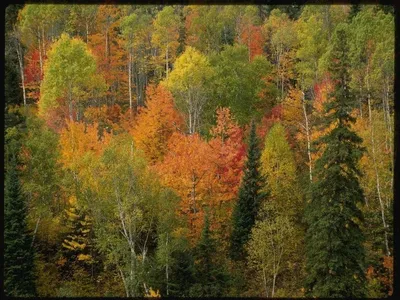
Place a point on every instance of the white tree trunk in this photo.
(308, 136)
(378, 188)
(130, 81)
(21, 67)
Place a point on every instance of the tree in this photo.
(334, 249)
(282, 39)
(371, 30)
(155, 123)
(70, 71)
(166, 33)
(227, 154)
(278, 165)
(123, 199)
(285, 210)
(250, 196)
(187, 168)
(208, 271)
(296, 116)
(204, 28)
(188, 82)
(238, 82)
(270, 246)
(18, 254)
(41, 174)
(249, 31)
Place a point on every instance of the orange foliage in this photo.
(156, 123)
(388, 280)
(229, 153)
(191, 37)
(189, 171)
(107, 46)
(76, 140)
(321, 91)
(253, 38)
(107, 116)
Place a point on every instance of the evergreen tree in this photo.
(18, 254)
(250, 195)
(334, 240)
(209, 273)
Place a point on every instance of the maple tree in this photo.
(156, 123)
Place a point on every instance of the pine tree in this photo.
(334, 249)
(250, 195)
(18, 254)
(209, 273)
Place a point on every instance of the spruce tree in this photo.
(250, 195)
(334, 240)
(209, 273)
(18, 254)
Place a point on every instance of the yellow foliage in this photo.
(84, 257)
(153, 294)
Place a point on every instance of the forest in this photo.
(198, 150)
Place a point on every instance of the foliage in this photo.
(18, 254)
(333, 215)
(155, 123)
(250, 196)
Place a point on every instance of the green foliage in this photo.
(188, 82)
(278, 165)
(19, 276)
(42, 169)
(250, 196)
(334, 241)
(270, 247)
(238, 82)
(211, 279)
(70, 71)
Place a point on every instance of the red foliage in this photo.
(253, 38)
(321, 91)
(32, 74)
(269, 119)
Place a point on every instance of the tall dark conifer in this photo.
(250, 195)
(334, 240)
(18, 253)
(210, 275)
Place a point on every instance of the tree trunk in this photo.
(21, 67)
(43, 42)
(87, 32)
(35, 231)
(265, 282)
(376, 169)
(166, 62)
(273, 286)
(124, 281)
(130, 81)
(308, 137)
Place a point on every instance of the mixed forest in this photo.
(199, 151)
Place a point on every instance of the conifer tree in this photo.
(209, 273)
(250, 195)
(334, 249)
(18, 254)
